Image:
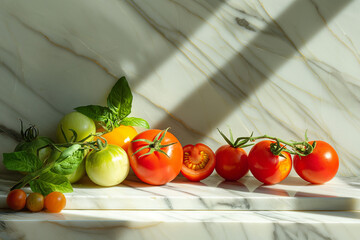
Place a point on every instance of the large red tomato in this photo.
(267, 167)
(199, 162)
(319, 166)
(156, 156)
(231, 163)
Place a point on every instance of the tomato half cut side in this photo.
(199, 162)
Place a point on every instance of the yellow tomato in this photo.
(120, 136)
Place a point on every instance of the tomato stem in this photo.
(302, 148)
(297, 148)
(237, 143)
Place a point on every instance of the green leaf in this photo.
(133, 121)
(69, 164)
(68, 152)
(97, 113)
(49, 182)
(22, 161)
(120, 99)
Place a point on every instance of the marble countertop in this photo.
(116, 224)
(219, 210)
(342, 193)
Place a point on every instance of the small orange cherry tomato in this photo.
(55, 202)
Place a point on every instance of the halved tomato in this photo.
(199, 162)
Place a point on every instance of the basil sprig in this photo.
(45, 177)
(118, 108)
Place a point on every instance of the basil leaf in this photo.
(120, 99)
(133, 121)
(49, 182)
(97, 113)
(70, 164)
(22, 161)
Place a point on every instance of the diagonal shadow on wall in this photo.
(154, 54)
(168, 24)
(296, 14)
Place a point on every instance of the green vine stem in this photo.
(32, 132)
(302, 148)
(97, 145)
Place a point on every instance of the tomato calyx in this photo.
(155, 145)
(239, 142)
(99, 144)
(30, 133)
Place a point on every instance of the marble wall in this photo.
(277, 66)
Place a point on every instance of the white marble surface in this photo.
(340, 194)
(266, 225)
(275, 66)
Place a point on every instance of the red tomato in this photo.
(16, 199)
(199, 162)
(231, 163)
(319, 166)
(267, 167)
(55, 202)
(155, 168)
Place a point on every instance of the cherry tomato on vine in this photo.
(55, 202)
(35, 202)
(231, 162)
(120, 136)
(155, 156)
(199, 162)
(78, 122)
(16, 199)
(320, 166)
(267, 167)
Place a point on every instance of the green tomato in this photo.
(107, 167)
(82, 125)
(78, 174)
